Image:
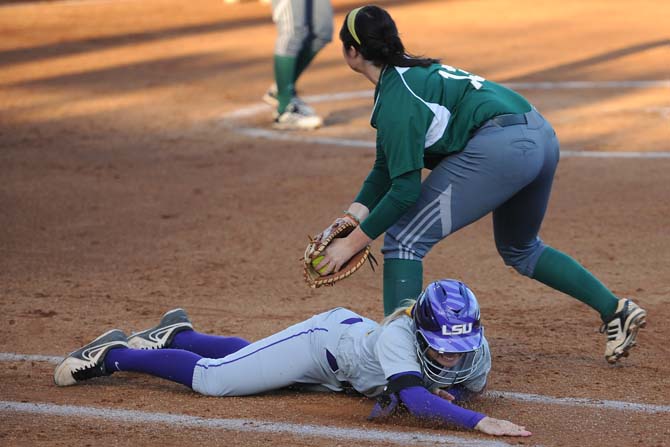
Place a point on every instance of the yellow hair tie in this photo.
(351, 24)
(408, 311)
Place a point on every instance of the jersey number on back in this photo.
(451, 73)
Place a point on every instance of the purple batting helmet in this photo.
(446, 316)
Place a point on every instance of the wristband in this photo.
(353, 216)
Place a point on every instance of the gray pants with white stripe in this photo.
(296, 355)
(302, 24)
(504, 170)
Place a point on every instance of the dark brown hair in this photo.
(380, 42)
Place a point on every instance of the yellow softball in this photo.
(316, 261)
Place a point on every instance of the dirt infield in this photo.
(125, 193)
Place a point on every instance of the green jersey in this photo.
(421, 115)
(424, 113)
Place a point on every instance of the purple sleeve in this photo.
(423, 404)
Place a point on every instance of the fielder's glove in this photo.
(317, 244)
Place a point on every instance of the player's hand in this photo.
(334, 257)
(341, 250)
(499, 427)
(444, 394)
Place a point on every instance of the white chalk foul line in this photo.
(268, 134)
(10, 357)
(230, 119)
(246, 425)
(583, 402)
(572, 85)
(523, 397)
(43, 4)
(558, 85)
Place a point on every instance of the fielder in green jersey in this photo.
(489, 151)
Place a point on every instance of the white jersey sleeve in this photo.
(396, 349)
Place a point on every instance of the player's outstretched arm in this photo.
(423, 404)
(500, 427)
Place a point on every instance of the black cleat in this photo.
(89, 361)
(158, 337)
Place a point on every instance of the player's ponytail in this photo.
(372, 31)
(404, 310)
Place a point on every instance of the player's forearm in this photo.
(423, 404)
(404, 192)
(356, 241)
(375, 186)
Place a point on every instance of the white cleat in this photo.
(298, 116)
(622, 329)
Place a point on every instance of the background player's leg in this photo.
(306, 53)
(293, 36)
(303, 60)
(285, 75)
(292, 32)
(320, 33)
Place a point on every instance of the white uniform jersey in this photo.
(368, 354)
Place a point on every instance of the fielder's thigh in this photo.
(516, 223)
(496, 163)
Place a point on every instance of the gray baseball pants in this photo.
(504, 170)
(302, 24)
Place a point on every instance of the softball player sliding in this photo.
(304, 27)
(489, 151)
(425, 356)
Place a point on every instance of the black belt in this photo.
(510, 119)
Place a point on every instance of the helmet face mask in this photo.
(447, 320)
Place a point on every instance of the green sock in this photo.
(403, 279)
(559, 271)
(305, 57)
(285, 69)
